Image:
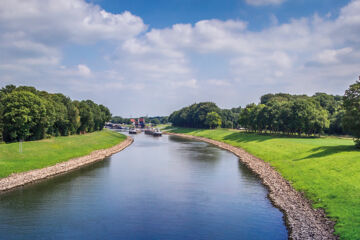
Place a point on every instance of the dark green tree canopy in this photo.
(351, 118)
(29, 114)
(213, 120)
(194, 115)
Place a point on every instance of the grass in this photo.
(44, 153)
(326, 169)
(162, 126)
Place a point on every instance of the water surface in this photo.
(158, 188)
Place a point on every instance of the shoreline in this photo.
(20, 179)
(302, 220)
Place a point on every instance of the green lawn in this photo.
(39, 154)
(326, 169)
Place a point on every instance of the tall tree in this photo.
(24, 116)
(351, 119)
(213, 120)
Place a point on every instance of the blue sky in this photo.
(142, 57)
(165, 13)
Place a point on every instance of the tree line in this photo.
(198, 115)
(29, 114)
(294, 114)
(281, 113)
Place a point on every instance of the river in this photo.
(157, 188)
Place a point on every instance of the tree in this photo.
(86, 117)
(29, 114)
(24, 116)
(1, 121)
(336, 125)
(193, 115)
(155, 121)
(351, 119)
(245, 116)
(213, 120)
(228, 118)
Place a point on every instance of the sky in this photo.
(141, 57)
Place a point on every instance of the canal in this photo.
(157, 188)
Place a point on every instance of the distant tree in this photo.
(213, 120)
(1, 120)
(117, 119)
(227, 124)
(278, 96)
(351, 119)
(245, 116)
(228, 118)
(24, 116)
(199, 113)
(308, 117)
(6, 90)
(155, 121)
(336, 123)
(164, 120)
(193, 115)
(86, 117)
(105, 115)
(29, 114)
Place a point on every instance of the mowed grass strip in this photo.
(326, 169)
(44, 153)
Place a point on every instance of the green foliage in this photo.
(25, 116)
(1, 121)
(44, 153)
(193, 115)
(230, 117)
(155, 121)
(325, 169)
(351, 119)
(29, 114)
(213, 120)
(297, 115)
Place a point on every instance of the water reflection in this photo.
(196, 150)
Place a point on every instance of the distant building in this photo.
(142, 122)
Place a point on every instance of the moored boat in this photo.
(132, 131)
(157, 133)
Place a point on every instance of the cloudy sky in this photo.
(141, 57)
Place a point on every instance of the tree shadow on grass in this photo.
(261, 137)
(246, 137)
(186, 130)
(325, 151)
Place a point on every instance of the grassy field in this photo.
(326, 169)
(39, 154)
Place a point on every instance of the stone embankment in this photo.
(20, 179)
(303, 221)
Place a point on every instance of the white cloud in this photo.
(191, 83)
(54, 21)
(34, 32)
(302, 55)
(84, 70)
(264, 2)
(218, 82)
(332, 55)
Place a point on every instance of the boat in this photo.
(132, 131)
(157, 133)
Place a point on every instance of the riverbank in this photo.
(53, 156)
(303, 220)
